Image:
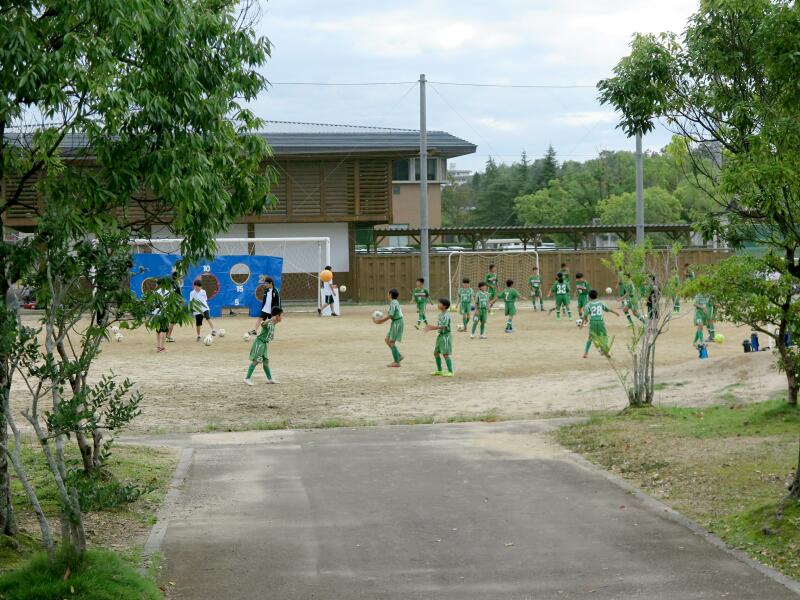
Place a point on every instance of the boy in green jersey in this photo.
(509, 296)
(565, 272)
(562, 291)
(444, 341)
(491, 283)
(482, 299)
(582, 289)
(535, 283)
(465, 293)
(593, 313)
(421, 297)
(395, 334)
(629, 300)
(700, 318)
(259, 352)
(711, 323)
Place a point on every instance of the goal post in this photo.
(302, 260)
(511, 264)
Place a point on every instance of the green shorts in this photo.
(536, 293)
(259, 351)
(444, 344)
(598, 335)
(583, 300)
(465, 307)
(492, 292)
(562, 300)
(421, 308)
(395, 331)
(700, 318)
(481, 315)
(511, 309)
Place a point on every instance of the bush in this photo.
(97, 575)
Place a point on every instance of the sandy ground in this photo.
(335, 369)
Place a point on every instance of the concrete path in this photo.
(473, 511)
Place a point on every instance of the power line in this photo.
(343, 83)
(516, 85)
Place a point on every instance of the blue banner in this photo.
(229, 281)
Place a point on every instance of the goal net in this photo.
(512, 264)
(296, 270)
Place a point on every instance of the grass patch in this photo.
(119, 518)
(726, 467)
(270, 425)
(98, 575)
(489, 417)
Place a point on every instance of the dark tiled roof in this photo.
(293, 138)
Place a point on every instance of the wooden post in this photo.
(357, 189)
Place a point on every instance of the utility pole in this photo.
(639, 189)
(424, 238)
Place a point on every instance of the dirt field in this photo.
(335, 369)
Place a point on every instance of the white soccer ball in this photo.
(342, 288)
(221, 332)
(579, 322)
(377, 315)
(118, 336)
(208, 340)
(246, 337)
(609, 290)
(114, 329)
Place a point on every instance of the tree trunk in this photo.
(787, 360)
(794, 489)
(7, 521)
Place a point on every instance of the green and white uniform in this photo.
(535, 283)
(701, 316)
(444, 341)
(421, 298)
(562, 293)
(481, 310)
(598, 335)
(465, 300)
(259, 351)
(491, 282)
(583, 288)
(510, 296)
(396, 328)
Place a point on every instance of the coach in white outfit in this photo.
(272, 299)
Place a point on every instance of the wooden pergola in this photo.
(533, 235)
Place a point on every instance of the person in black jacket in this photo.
(271, 300)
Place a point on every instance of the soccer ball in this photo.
(342, 288)
(246, 337)
(118, 336)
(221, 332)
(719, 338)
(208, 340)
(609, 290)
(377, 315)
(114, 329)
(579, 322)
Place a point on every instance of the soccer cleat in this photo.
(333, 314)
(437, 373)
(170, 339)
(393, 365)
(417, 325)
(272, 381)
(447, 374)
(483, 337)
(161, 349)
(319, 312)
(253, 332)
(472, 336)
(214, 332)
(248, 381)
(198, 338)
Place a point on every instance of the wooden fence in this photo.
(375, 274)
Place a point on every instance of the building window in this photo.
(432, 169)
(396, 190)
(401, 170)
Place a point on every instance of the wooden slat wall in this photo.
(28, 206)
(378, 273)
(375, 179)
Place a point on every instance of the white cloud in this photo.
(587, 117)
(501, 125)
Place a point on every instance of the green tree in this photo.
(729, 82)
(142, 125)
(659, 207)
(458, 203)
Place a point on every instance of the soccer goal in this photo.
(299, 263)
(512, 264)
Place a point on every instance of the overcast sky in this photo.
(502, 41)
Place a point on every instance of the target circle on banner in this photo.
(149, 285)
(210, 284)
(240, 273)
(260, 291)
